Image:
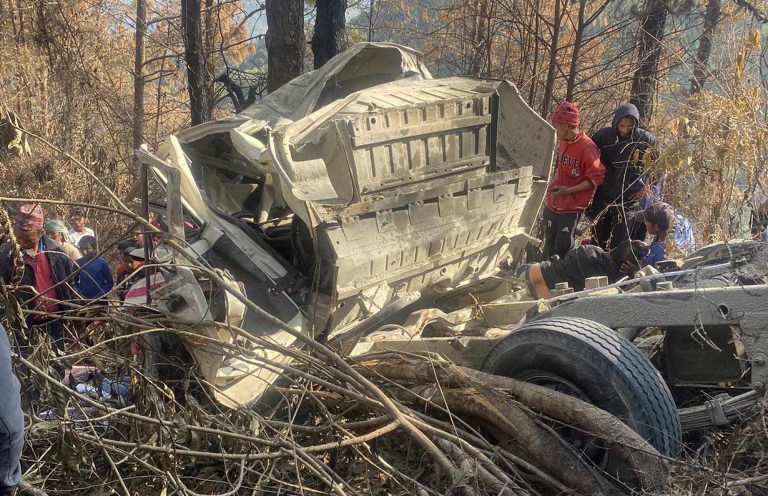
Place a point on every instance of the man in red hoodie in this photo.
(578, 172)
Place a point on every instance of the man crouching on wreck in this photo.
(583, 262)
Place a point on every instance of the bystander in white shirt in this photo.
(75, 236)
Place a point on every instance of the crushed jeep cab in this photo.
(348, 193)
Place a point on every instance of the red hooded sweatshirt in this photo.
(577, 160)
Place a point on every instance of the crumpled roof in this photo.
(362, 66)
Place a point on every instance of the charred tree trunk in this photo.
(646, 75)
(328, 38)
(701, 71)
(285, 41)
(571, 86)
(553, 49)
(138, 75)
(193, 53)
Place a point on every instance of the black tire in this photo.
(605, 367)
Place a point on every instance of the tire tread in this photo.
(657, 408)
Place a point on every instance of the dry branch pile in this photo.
(388, 425)
(728, 461)
(383, 424)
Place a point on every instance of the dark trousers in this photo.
(559, 233)
(616, 224)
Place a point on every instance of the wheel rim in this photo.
(585, 444)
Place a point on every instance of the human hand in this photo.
(558, 190)
(629, 268)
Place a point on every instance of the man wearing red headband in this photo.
(45, 266)
(578, 172)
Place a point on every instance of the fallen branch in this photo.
(640, 457)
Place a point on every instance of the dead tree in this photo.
(560, 9)
(371, 20)
(328, 38)
(576, 50)
(536, 43)
(285, 41)
(701, 70)
(478, 38)
(583, 23)
(236, 92)
(193, 53)
(138, 75)
(645, 77)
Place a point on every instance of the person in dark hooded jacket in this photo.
(624, 147)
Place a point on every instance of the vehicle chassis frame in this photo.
(742, 308)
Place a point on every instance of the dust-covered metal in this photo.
(346, 190)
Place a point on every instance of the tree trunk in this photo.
(478, 39)
(285, 41)
(193, 53)
(3, 17)
(571, 86)
(208, 50)
(550, 83)
(370, 20)
(701, 70)
(236, 94)
(489, 26)
(159, 98)
(138, 75)
(535, 68)
(328, 38)
(20, 37)
(646, 75)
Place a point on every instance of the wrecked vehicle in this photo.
(329, 202)
(373, 208)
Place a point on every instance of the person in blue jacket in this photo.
(658, 218)
(625, 148)
(11, 421)
(95, 278)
